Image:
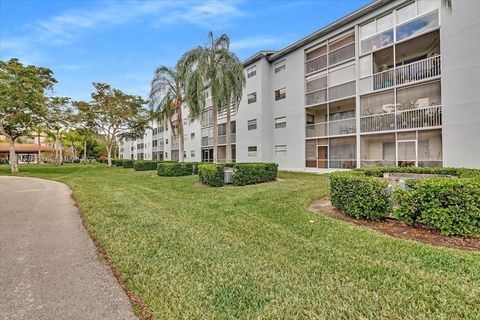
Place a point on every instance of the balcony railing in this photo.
(316, 64)
(208, 141)
(412, 72)
(316, 97)
(341, 91)
(341, 54)
(223, 139)
(332, 128)
(401, 120)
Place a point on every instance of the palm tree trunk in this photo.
(228, 156)
(39, 155)
(215, 132)
(181, 141)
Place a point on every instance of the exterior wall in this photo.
(461, 83)
(460, 99)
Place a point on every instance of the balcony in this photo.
(316, 97)
(316, 64)
(332, 128)
(400, 120)
(223, 139)
(341, 54)
(341, 91)
(413, 72)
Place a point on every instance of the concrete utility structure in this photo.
(394, 83)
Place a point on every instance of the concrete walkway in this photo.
(49, 268)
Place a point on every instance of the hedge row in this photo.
(360, 196)
(145, 165)
(252, 173)
(127, 163)
(174, 169)
(211, 174)
(243, 173)
(118, 163)
(450, 205)
(458, 172)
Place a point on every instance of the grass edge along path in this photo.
(255, 252)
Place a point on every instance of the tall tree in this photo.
(59, 119)
(167, 96)
(116, 115)
(23, 101)
(205, 67)
(85, 124)
(234, 84)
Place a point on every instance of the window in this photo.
(154, 143)
(252, 124)
(310, 119)
(405, 13)
(192, 153)
(192, 136)
(281, 150)
(166, 155)
(280, 122)
(417, 26)
(280, 66)
(280, 94)
(252, 151)
(252, 97)
(166, 141)
(252, 71)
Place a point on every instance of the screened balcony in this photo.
(333, 119)
(410, 148)
(415, 60)
(416, 106)
(333, 153)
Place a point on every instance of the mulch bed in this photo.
(399, 229)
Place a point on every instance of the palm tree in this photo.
(208, 67)
(235, 82)
(167, 97)
(447, 4)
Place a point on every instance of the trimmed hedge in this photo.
(119, 162)
(127, 163)
(451, 206)
(360, 196)
(458, 172)
(243, 173)
(211, 174)
(174, 169)
(145, 165)
(252, 173)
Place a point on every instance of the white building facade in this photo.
(395, 83)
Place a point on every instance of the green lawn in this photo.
(252, 253)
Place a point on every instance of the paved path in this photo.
(49, 268)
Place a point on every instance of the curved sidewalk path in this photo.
(49, 267)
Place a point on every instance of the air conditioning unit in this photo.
(228, 172)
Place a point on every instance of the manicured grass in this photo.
(253, 253)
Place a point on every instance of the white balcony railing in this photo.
(401, 120)
(412, 72)
(332, 128)
(208, 141)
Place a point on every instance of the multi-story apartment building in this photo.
(393, 83)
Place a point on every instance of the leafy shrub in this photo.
(127, 163)
(211, 174)
(458, 172)
(360, 196)
(119, 162)
(145, 165)
(451, 206)
(174, 169)
(252, 173)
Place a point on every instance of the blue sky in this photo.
(122, 42)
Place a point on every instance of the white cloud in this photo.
(206, 14)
